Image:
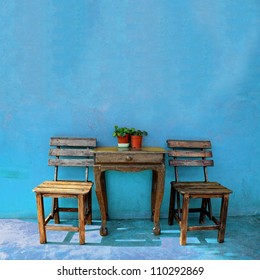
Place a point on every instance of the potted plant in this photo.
(137, 137)
(122, 134)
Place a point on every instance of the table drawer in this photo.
(129, 158)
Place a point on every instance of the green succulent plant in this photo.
(138, 132)
(120, 131)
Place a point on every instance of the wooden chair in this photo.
(195, 154)
(68, 152)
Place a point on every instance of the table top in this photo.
(127, 150)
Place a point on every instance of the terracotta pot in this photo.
(136, 141)
(123, 141)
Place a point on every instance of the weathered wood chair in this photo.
(195, 154)
(68, 152)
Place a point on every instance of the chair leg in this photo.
(171, 206)
(89, 207)
(55, 210)
(203, 208)
(81, 215)
(184, 220)
(179, 210)
(223, 218)
(41, 218)
(210, 209)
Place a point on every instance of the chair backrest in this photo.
(69, 152)
(193, 153)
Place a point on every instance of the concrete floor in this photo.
(130, 240)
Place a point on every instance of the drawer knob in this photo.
(128, 158)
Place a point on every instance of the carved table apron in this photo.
(130, 160)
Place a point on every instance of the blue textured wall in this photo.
(178, 69)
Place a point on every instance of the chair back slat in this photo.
(73, 142)
(191, 162)
(71, 162)
(204, 144)
(190, 153)
(71, 152)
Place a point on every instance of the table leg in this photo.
(153, 193)
(101, 199)
(159, 191)
(104, 191)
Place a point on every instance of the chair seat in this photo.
(196, 188)
(64, 187)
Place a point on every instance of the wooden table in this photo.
(130, 160)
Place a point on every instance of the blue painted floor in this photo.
(130, 240)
